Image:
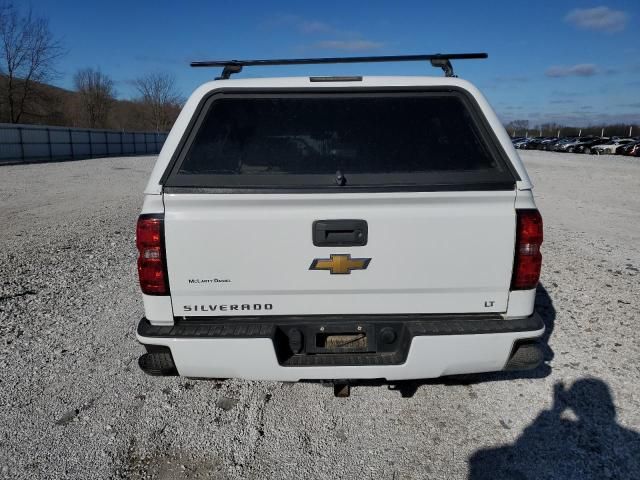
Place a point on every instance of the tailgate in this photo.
(430, 252)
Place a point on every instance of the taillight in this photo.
(151, 261)
(528, 259)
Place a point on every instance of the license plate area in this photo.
(341, 339)
(341, 343)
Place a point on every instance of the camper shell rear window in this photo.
(340, 141)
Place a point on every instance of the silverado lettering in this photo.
(225, 308)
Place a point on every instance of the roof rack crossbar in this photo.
(441, 60)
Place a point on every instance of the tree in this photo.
(516, 126)
(96, 95)
(160, 98)
(29, 52)
(520, 124)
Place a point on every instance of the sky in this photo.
(576, 62)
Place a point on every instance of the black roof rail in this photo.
(442, 60)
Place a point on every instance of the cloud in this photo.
(306, 26)
(340, 39)
(602, 19)
(579, 70)
(348, 45)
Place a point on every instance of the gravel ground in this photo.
(73, 403)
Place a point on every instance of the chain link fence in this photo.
(41, 143)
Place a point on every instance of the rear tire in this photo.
(158, 364)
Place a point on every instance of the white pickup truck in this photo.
(338, 228)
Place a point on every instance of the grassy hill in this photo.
(51, 105)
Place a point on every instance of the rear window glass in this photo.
(347, 140)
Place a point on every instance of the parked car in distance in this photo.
(610, 146)
(558, 145)
(534, 143)
(529, 143)
(521, 143)
(625, 149)
(576, 143)
(564, 145)
(546, 143)
(587, 145)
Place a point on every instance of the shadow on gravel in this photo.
(591, 445)
(544, 306)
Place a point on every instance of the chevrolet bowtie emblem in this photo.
(340, 264)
